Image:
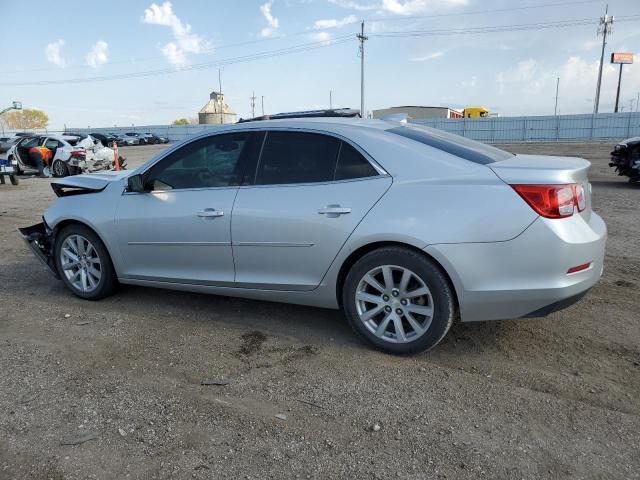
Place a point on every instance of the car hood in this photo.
(87, 183)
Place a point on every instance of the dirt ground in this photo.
(121, 378)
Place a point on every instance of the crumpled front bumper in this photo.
(39, 238)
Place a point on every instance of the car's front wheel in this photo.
(398, 300)
(84, 263)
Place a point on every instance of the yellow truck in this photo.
(475, 112)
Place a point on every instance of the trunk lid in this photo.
(545, 170)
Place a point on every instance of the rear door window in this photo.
(351, 164)
(297, 157)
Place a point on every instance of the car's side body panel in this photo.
(174, 236)
(503, 259)
(285, 236)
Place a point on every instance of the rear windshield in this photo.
(462, 147)
(73, 142)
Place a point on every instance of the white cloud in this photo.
(185, 41)
(412, 7)
(529, 87)
(471, 83)
(52, 51)
(273, 22)
(335, 23)
(99, 54)
(324, 37)
(429, 56)
(361, 7)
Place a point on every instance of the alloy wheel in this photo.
(80, 263)
(394, 304)
(58, 169)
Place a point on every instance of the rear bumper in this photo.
(526, 276)
(39, 239)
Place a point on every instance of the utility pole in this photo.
(362, 38)
(221, 102)
(637, 101)
(555, 110)
(604, 28)
(330, 100)
(253, 104)
(263, 105)
(618, 90)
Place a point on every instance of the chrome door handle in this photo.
(333, 211)
(210, 213)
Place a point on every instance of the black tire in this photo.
(430, 273)
(19, 171)
(14, 180)
(108, 283)
(59, 169)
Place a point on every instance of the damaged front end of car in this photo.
(39, 238)
(625, 158)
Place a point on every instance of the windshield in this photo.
(462, 147)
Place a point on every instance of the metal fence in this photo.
(561, 128)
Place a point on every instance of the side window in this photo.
(296, 157)
(206, 163)
(351, 164)
(33, 142)
(52, 143)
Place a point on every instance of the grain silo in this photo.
(216, 111)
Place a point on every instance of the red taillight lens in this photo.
(78, 153)
(550, 201)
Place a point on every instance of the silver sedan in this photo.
(404, 228)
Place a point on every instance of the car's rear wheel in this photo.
(84, 263)
(60, 169)
(398, 300)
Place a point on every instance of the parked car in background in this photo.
(157, 138)
(625, 158)
(141, 139)
(402, 227)
(149, 138)
(7, 142)
(125, 140)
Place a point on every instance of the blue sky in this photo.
(511, 72)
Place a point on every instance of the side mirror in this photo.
(135, 184)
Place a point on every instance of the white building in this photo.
(216, 111)
(419, 112)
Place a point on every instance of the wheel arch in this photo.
(59, 226)
(370, 247)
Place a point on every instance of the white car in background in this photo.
(71, 155)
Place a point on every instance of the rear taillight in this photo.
(78, 153)
(553, 201)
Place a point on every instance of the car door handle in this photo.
(333, 211)
(210, 213)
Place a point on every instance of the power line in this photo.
(316, 30)
(498, 28)
(322, 44)
(199, 66)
